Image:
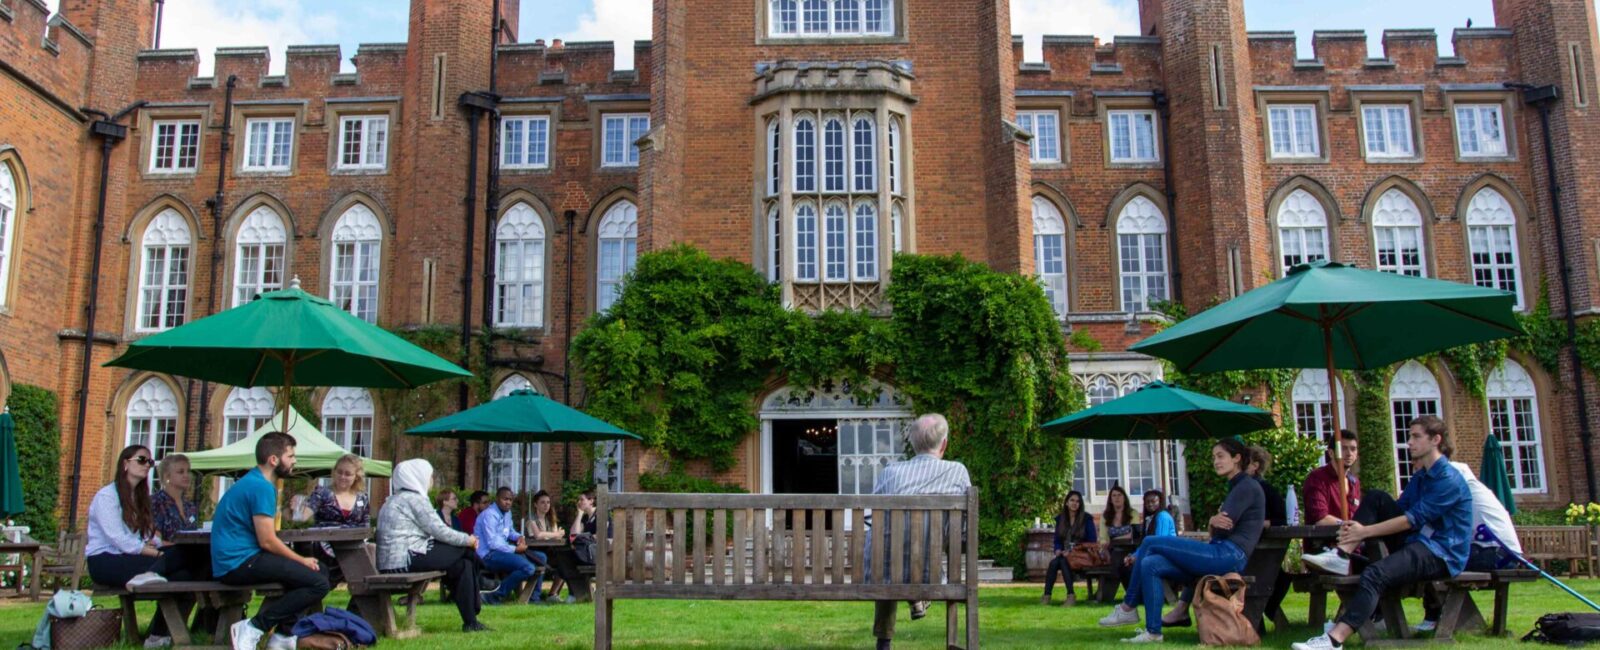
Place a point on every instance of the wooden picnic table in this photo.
(29, 586)
(1266, 563)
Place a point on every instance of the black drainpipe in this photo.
(217, 254)
(491, 203)
(566, 345)
(161, 12)
(463, 397)
(110, 133)
(1544, 98)
(1164, 110)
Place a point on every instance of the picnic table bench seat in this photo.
(1459, 613)
(228, 601)
(923, 548)
(384, 586)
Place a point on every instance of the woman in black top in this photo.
(1073, 526)
(1234, 533)
(1120, 528)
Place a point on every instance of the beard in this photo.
(282, 473)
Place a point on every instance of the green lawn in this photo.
(1011, 617)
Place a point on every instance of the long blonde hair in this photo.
(360, 484)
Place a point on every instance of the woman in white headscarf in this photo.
(411, 538)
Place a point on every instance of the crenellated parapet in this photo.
(524, 66)
(1407, 56)
(48, 50)
(1076, 59)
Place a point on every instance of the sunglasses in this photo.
(142, 460)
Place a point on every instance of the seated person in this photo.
(448, 504)
(412, 538)
(174, 511)
(1121, 528)
(1074, 526)
(477, 502)
(1436, 506)
(542, 526)
(124, 548)
(344, 505)
(1487, 511)
(566, 560)
(1277, 515)
(1156, 522)
(1321, 488)
(501, 549)
(1234, 534)
(245, 549)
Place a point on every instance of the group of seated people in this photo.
(131, 537)
(1427, 534)
(1075, 528)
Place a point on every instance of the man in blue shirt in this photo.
(502, 549)
(1437, 510)
(245, 549)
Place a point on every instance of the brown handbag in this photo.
(325, 641)
(1087, 555)
(97, 628)
(1219, 612)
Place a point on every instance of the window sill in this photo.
(1146, 164)
(896, 39)
(1049, 165)
(1397, 160)
(1297, 160)
(1504, 158)
(265, 173)
(534, 170)
(164, 176)
(383, 171)
(620, 168)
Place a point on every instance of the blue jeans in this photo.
(1179, 560)
(515, 567)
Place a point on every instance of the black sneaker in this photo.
(475, 627)
(885, 644)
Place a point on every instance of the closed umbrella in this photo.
(1330, 315)
(1493, 473)
(10, 469)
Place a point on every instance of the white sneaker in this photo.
(1329, 561)
(1317, 643)
(146, 578)
(281, 642)
(245, 636)
(1426, 626)
(1144, 636)
(1120, 615)
(154, 641)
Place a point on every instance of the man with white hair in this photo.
(926, 473)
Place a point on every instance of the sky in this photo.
(208, 24)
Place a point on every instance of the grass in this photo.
(1011, 618)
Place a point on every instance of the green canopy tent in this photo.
(315, 454)
(1330, 315)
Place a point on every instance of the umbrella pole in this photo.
(283, 396)
(1334, 417)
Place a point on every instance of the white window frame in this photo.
(1492, 237)
(275, 140)
(632, 127)
(832, 22)
(863, 157)
(163, 293)
(807, 256)
(349, 420)
(774, 156)
(1413, 392)
(1310, 401)
(357, 247)
(1300, 137)
(179, 133)
(1101, 464)
(1050, 234)
(1470, 131)
(1508, 420)
(1127, 123)
(371, 144)
(520, 272)
(1380, 121)
(775, 244)
(1045, 146)
(8, 228)
(835, 156)
(835, 238)
(618, 245)
(1394, 215)
(261, 238)
(807, 152)
(532, 155)
(864, 226)
(896, 184)
(1302, 219)
(1142, 220)
(504, 457)
(244, 411)
(152, 422)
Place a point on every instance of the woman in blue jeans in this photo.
(1234, 533)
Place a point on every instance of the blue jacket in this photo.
(495, 532)
(1439, 507)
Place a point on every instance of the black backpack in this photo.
(1565, 629)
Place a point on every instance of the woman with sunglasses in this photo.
(124, 548)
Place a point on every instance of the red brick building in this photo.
(811, 138)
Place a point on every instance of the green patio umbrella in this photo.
(1493, 473)
(10, 469)
(288, 338)
(1162, 411)
(1331, 315)
(522, 416)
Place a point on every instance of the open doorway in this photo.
(805, 456)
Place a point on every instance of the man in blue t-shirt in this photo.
(245, 548)
(1437, 512)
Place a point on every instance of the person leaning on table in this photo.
(245, 549)
(927, 473)
(412, 538)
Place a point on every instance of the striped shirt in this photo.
(925, 474)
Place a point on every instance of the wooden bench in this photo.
(1545, 544)
(229, 601)
(809, 562)
(1458, 613)
(385, 586)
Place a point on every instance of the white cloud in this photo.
(206, 25)
(1103, 18)
(619, 21)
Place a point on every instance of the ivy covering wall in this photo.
(39, 454)
(687, 351)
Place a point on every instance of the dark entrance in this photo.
(805, 459)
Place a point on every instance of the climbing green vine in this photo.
(685, 353)
(406, 408)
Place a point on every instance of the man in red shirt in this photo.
(475, 504)
(1322, 486)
